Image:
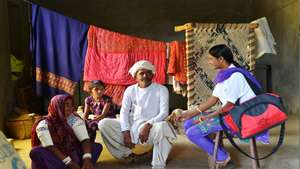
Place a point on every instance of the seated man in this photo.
(145, 106)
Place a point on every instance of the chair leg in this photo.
(216, 146)
(253, 150)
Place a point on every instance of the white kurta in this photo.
(143, 105)
(140, 106)
(76, 123)
(234, 88)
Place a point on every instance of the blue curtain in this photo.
(59, 45)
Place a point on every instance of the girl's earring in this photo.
(221, 59)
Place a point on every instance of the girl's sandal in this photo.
(224, 164)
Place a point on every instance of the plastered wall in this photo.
(5, 93)
(283, 17)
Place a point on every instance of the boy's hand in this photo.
(98, 117)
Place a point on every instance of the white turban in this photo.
(142, 64)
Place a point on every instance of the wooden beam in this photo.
(183, 27)
(254, 25)
(190, 26)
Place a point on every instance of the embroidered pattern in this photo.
(44, 128)
(72, 120)
(55, 81)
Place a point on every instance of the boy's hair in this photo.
(96, 83)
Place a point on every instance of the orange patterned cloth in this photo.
(177, 61)
(110, 55)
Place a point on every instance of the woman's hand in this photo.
(73, 165)
(179, 118)
(87, 164)
(203, 118)
(187, 114)
(87, 156)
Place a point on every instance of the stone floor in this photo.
(185, 155)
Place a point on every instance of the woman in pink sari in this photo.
(60, 140)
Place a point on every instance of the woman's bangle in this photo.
(201, 114)
(67, 160)
(86, 155)
(200, 111)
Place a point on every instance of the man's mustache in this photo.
(145, 79)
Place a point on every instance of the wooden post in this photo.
(253, 150)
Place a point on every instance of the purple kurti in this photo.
(97, 107)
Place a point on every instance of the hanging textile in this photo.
(238, 37)
(58, 44)
(264, 38)
(177, 61)
(110, 55)
(116, 92)
(179, 88)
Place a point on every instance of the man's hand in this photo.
(144, 134)
(127, 139)
(87, 164)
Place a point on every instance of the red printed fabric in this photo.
(110, 55)
(116, 92)
(177, 62)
